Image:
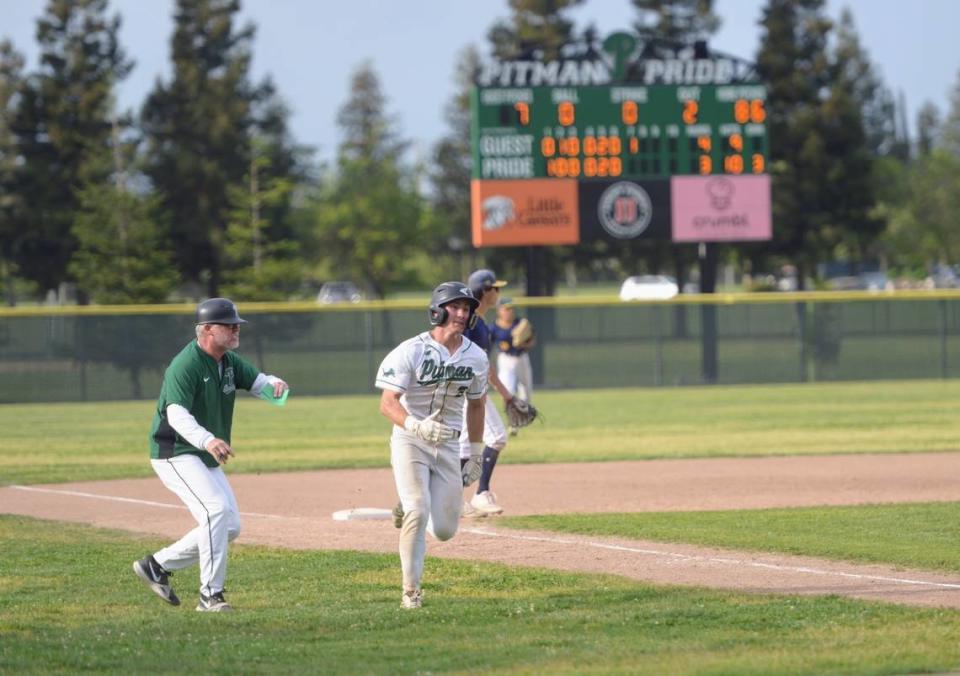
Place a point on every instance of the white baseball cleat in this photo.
(412, 598)
(486, 502)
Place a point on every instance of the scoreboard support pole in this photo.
(542, 317)
(708, 312)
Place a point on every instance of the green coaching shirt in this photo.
(193, 381)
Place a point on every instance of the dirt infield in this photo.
(294, 510)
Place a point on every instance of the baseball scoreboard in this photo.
(559, 162)
(614, 131)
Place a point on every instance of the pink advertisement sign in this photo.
(721, 208)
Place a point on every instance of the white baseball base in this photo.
(362, 514)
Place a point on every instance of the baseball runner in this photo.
(425, 382)
(486, 287)
(513, 337)
(190, 440)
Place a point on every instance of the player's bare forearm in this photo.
(392, 409)
(476, 409)
(497, 385)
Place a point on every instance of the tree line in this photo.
(204, 191)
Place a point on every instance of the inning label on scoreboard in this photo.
(619, 119)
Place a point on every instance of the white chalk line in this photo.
(556, 541)
(709, 559)
(115, 498)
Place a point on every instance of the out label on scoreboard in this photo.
(614, 120)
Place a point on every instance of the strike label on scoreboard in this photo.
(637, 124)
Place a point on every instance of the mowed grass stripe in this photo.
(73, 442)
(69, 603)
(915, 535)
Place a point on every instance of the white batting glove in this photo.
(472, 467)
(429, 429)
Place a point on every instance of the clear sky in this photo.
(311, 48)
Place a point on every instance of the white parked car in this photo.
(649, 287)
(339, 292)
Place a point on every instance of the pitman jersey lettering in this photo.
(433, 380)
(432, 373)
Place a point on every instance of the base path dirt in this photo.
(294, 510)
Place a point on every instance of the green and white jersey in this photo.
(193, 380)
(430, 378)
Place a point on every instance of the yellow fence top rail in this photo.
(253, 308)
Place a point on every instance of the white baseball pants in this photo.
(430, 487)
(516, 374)
(494, 431)
(207, 494)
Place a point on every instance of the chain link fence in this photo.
(117, 353)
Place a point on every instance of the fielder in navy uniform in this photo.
(486, 287)
(428, 381)
(190, 440)
(513, 351)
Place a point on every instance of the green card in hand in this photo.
(267, 393)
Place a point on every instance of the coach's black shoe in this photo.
(398, 515)
(155, 577)
(215, 603)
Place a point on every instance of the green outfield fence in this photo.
(97, 353)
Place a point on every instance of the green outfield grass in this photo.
(69, 603)
(72, 442)
(920, 535)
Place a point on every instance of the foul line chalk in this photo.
(385, 513)
(710, 559)
(114, 498)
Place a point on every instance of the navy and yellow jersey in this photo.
(193, 380)
(480, 334)
(503, 338)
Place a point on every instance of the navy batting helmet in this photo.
(218, 311)
(481, 281)
(447, 293)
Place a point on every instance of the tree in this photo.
(928, 129)
(452, 161)
(62, 124)
(11, 201)
(123, 257)
(536, 27)
(925, 230)
(675, 22)
(857, 128)
(197, 129)
(369, 219)
(258, 267)
(794, 62)
(950, 130)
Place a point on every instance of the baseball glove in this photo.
(522, 333)
(521, 413)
